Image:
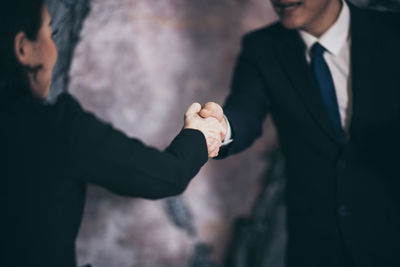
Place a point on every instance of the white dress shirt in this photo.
(336, 40)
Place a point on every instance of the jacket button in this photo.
(341, 164)
(342, 211)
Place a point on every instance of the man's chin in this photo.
(291, 24)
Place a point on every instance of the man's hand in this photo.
(211, 109)
(210, 127)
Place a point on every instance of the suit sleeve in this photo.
(102, 155)
(247, 105)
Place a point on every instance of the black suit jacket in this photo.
(48, 155)
(343, 200)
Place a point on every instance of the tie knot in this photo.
(317, 50)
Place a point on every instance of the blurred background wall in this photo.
(139, 64)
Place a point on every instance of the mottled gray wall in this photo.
(139, 64)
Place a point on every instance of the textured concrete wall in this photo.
(139, 64)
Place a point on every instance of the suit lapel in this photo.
(291, 55)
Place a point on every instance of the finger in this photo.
(213, 124)
(214, 153)
(205, 113)
(217, 145)
(193, 110)
(212, 109)
(223, 131)
(216, 128)
(211, 156)
(213, 144)
(215, 135)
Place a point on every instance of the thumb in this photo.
(205, 113)
(212, 109)
(193, 110)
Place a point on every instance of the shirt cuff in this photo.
(228, 137)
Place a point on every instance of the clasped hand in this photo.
(210, 120)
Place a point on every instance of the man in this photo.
(328, 74)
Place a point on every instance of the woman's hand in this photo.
(210, 127)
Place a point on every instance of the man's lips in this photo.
(286, 6)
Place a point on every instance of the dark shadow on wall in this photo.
(68, 17)
(260, 240)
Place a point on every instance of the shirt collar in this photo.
(333, 39)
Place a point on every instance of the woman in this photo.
(50, 152)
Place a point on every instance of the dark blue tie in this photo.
(327, 88)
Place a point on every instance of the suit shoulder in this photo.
(386, 17)
(263, 35)
(385, 20)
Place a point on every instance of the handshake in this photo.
(210, 120)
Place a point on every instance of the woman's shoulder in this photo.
(65, 106)
(24, 112)
(65, 99)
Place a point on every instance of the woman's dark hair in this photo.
(17, 16)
